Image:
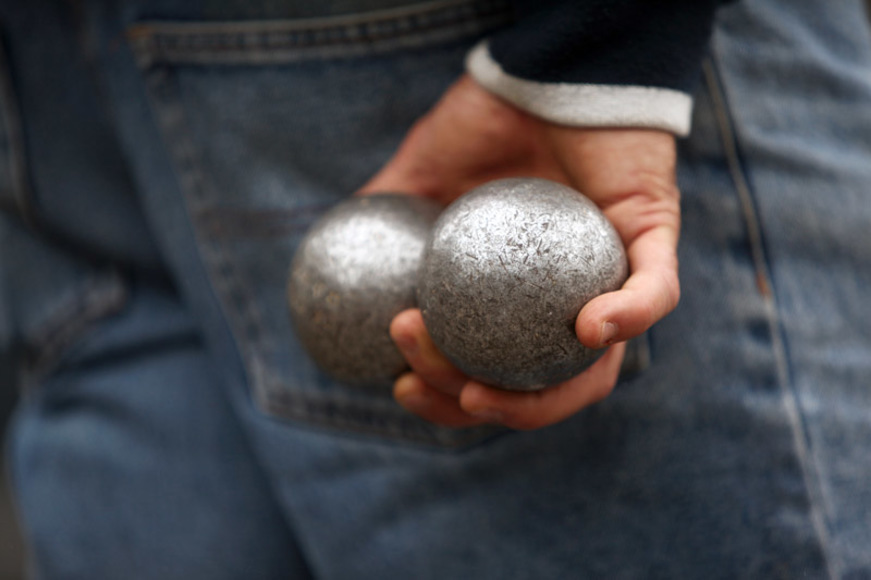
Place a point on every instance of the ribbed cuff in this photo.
(584, 105)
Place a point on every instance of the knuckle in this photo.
(671, 290)
(656, 186)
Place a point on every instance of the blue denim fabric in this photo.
(172, 427)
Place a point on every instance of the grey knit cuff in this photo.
(584, 105)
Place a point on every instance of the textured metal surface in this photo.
(353, 272)
(507, 269)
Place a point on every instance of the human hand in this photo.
(471, 137)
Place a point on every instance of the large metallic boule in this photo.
(507, 269)
(353, 272)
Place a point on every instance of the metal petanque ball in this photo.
(355, 270)
(507, 269)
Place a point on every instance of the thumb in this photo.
(630, 175)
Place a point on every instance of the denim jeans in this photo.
(160, 163)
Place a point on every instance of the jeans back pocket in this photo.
(269, 124)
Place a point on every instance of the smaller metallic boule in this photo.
(507, 269)
(354, 271)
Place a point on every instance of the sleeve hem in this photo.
(584, 105)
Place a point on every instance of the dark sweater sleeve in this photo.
(595, 63)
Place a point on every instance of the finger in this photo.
(431, 404)
(527, 411)
(649, 294)
(412, 339)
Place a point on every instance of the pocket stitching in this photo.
(285, 41)
(374, 416)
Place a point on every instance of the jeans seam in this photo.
(789, 396)
(101, 296)
(370, 418)
(283, 41)
(171, 117)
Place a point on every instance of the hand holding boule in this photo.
(506, 271)
(470, 138)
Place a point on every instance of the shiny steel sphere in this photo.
(354, 271)
(507, 269)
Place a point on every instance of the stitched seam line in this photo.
(193, 42)
(99, 298)
(237, 306)
(371, 419)
(763, 277)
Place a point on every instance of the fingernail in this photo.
(407, 344)
(609, 331)
(488, 415)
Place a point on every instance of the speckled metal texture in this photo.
(354, 271)
(507, 269)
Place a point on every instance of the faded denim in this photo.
(172, 428)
